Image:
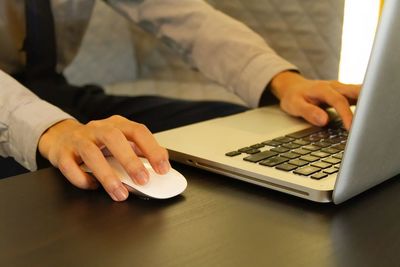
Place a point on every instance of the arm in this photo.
(222, 48)
(23, 119)
(228, 52)
(29, 124)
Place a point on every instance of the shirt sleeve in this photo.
(23, 119)
(223, 49)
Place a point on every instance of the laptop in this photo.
(269, 148)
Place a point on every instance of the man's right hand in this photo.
(302, 97)
(69, 143)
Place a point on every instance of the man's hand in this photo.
(302, 97)
(68, 143)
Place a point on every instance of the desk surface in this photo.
(44, 221)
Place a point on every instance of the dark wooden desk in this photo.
(44, 221)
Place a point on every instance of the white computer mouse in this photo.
(159, 186)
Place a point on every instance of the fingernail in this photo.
(119, 194)
(320, 120)
(347, 126)
(163, 166)
(141, 177)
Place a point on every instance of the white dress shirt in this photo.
(223, 49)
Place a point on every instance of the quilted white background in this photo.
(127, 60)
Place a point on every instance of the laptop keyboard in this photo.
(314, 152)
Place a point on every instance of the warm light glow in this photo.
(359, 26)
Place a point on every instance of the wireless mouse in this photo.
(158, 187)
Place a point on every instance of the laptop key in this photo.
(232, 153)
(308, 170)
(320, 154)
(271, 162)
(298, 162)
(290, 155)
(322, 144)
(301, 151)
(338, 156)
(301, 142)
(323, 134)
(283, 139)
(305, 132)
(310, 147)
(280, 149)
(322, 165)
(244, 149)
(309, 158)
(330, 150)
(286, 167)
(257, 146)
(340, 147)
(291, 145)
(332, 160)
(336, 139)
(252, 151)
(260, 156)
(313, 138)
(319, 175)
(330, 170)
(271, 143)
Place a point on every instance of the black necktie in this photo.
(40, 43)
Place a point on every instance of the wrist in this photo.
(48, 138)
(282, 81)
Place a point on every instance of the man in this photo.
(83, 128)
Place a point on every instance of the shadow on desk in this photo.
(218, 221)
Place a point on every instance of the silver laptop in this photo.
(269, 148)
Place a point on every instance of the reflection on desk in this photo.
(218, 221)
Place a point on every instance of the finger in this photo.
(339, 103)
(94, 159)
(351, 91)
(147, 144)
(119, 146)
(70, 169)
(136, 149)
(311, 113)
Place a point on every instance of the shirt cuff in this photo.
(28, 123)
(257, 75)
